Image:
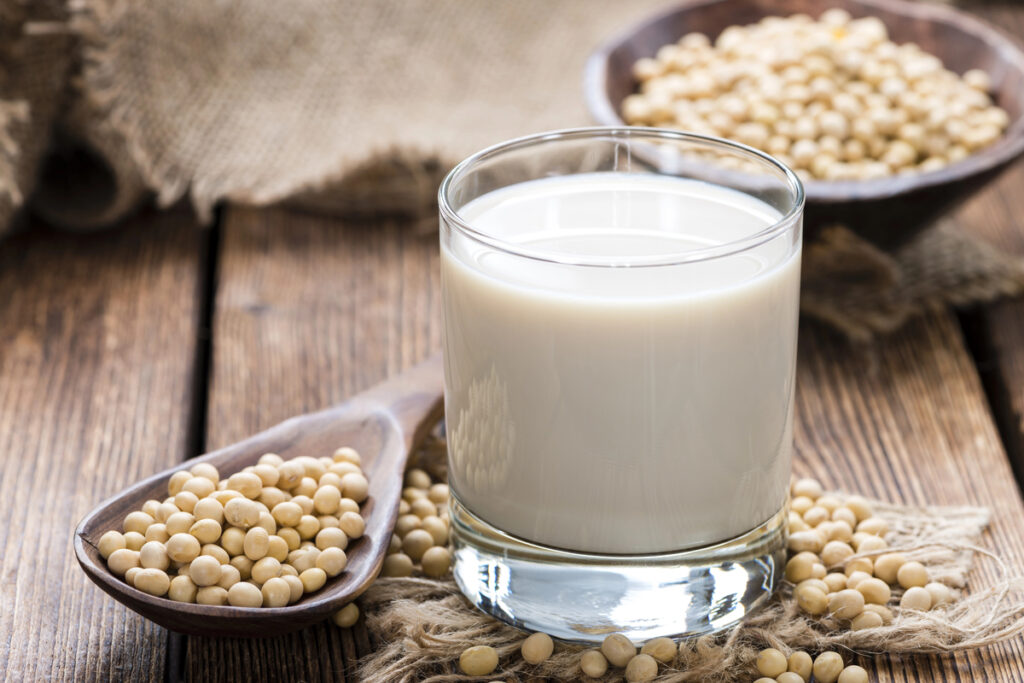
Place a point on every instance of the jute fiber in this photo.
(422, 625)
(357, 108)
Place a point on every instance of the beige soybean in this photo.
(153, 555)
(416, 543)
(347, 616)
(233, 540)
(771, 662)
(917, 598)
(835, 553)
(875, 591)
(827, 667)
(157, 532)
(801, 664)
(206, 530)
(109, 542)
(179, 522)
(183, 589)
(129, 576)
(332, 561)
(537, 648)
(313, 579)
(479, 660)
(287, 513)
(880, 610)
(855, 578)
(205, 570)
(229, 576)
(812, 600)
(436, 561)
(641, 668)
(276, 592)
(912, 574)
(887, 566)
(331, 538)
(186, 501)
(397, 564)
(788, 677)
(807, 487)
(866, 620)
(859, 564)
(212, 595)
(846, 604)
(244, 594)
(438, 493)
(176, 481)
(137, 521)
(183, 547)
(294, 585)
(853, 674)
(152, 581)
(133, 540)
(353, 524)
(199, 486)
(662, 649)
(307, 527)
(618, 649)
(355, 486)
(326, 499)
(407, 523)
(265, 569)
(256, 543)
(242, 513)
(941, 593)
(244, 566)
(835, 582)
(347, 454)
(593, 664)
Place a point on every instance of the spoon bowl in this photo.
(384, 424)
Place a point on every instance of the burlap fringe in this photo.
(422, 625)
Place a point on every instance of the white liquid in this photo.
(619, 409)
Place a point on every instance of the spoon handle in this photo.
(415, 398)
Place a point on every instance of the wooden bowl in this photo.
(887, 211)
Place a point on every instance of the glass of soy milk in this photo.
(620, 329)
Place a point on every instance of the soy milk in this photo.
(619, 407)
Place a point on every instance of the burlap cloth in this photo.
(357, 108)
(420, 626)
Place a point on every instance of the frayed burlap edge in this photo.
(863, 291)
(422, 625)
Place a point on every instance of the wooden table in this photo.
(125, 352)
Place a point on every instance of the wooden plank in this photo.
(907, 421)
(997, 215)
(97, 344)
(308, 311)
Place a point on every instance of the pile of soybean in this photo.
(262, 537)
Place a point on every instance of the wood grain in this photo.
(907, 421)
(997, 215)
(308, 312)
(97, 344)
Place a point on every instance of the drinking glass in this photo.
(620, 328)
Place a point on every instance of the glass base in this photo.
(582, 597)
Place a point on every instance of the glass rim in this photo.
(784, 223)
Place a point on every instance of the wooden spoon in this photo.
(384, 424)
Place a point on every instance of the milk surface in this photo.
(619, 408)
